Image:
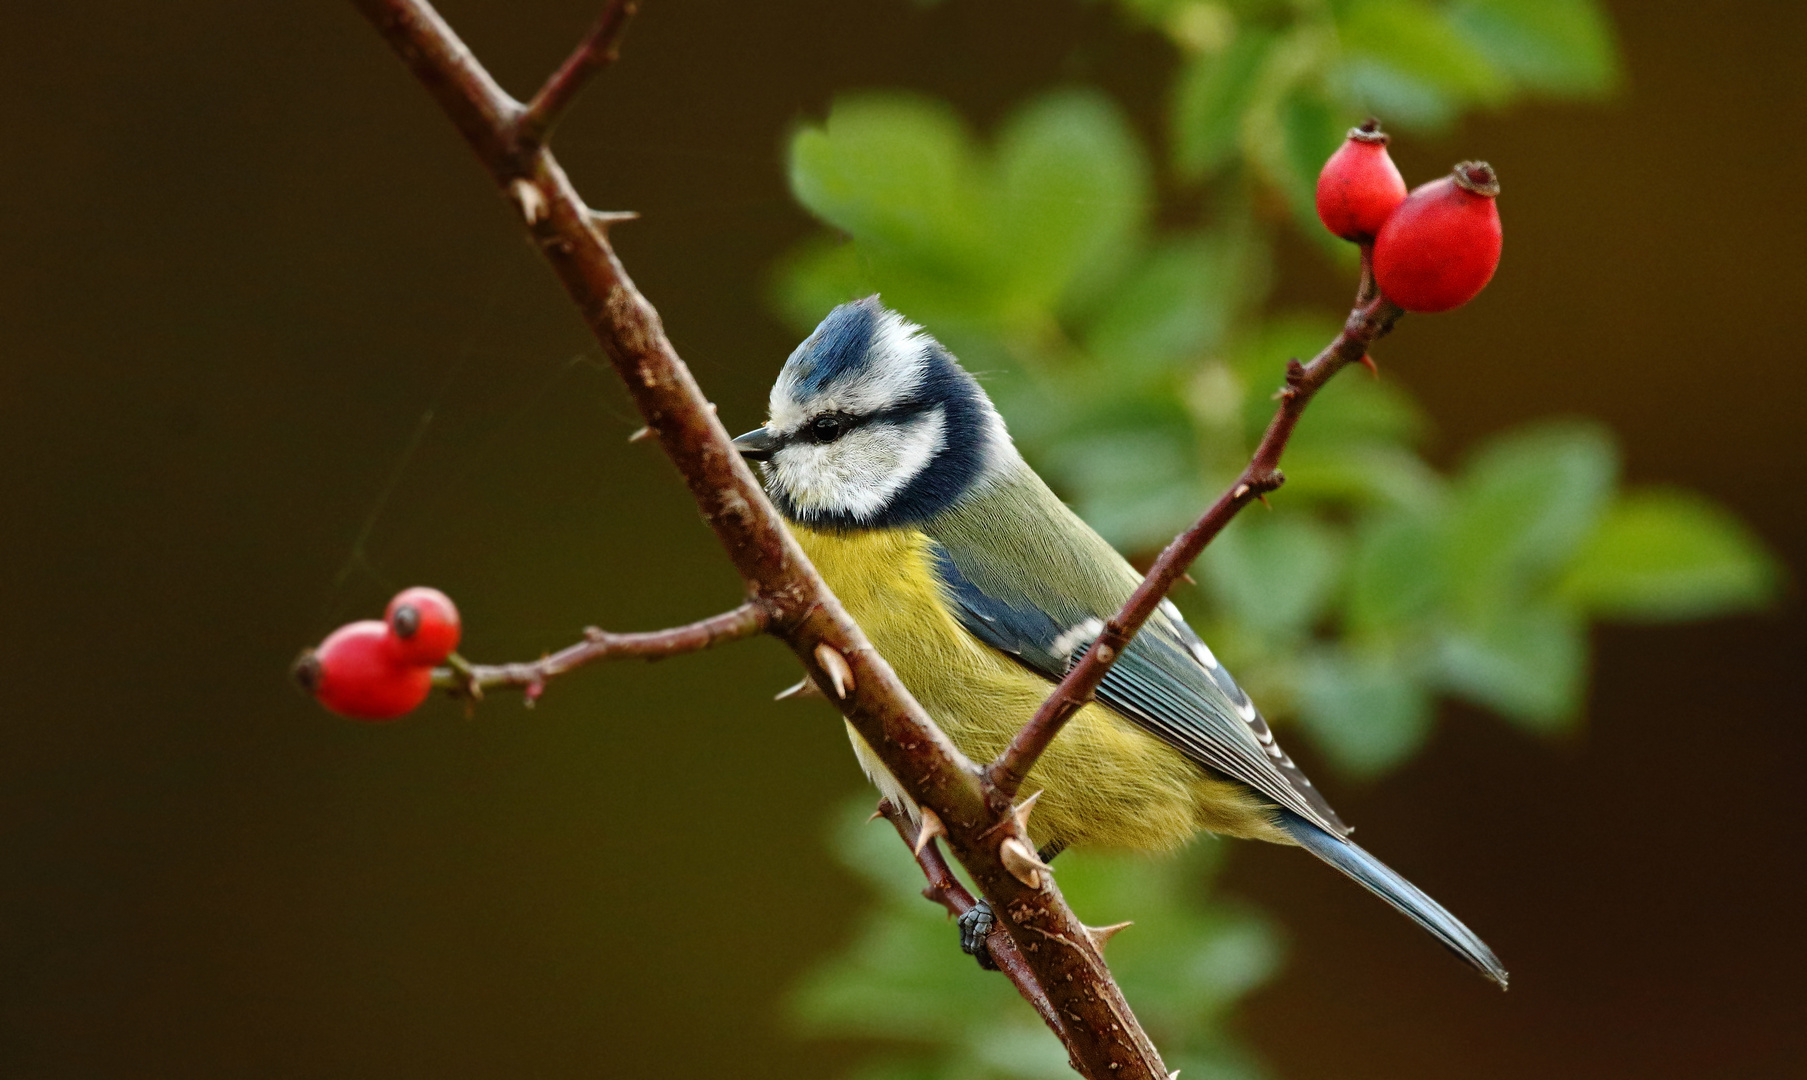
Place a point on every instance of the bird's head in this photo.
(873, 425)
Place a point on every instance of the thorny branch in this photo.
(945, 889)
(1373, 316)
(471, 680)
(1102, 1037)
(598, 49)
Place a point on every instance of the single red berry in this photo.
(1360, 185)
(358, 671)
(425, 624)
(1441, 247)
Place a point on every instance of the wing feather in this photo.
(1167, 682)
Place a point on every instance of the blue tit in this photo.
(982, 588)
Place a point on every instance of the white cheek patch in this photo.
(862, 471)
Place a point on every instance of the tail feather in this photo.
(1382, 881)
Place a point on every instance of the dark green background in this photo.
(242, 259)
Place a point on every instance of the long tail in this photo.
(1379, 879)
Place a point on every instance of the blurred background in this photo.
(270, 348)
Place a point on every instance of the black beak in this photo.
(757, 445)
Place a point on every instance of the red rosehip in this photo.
(358, 671)
(1360, 185)
(425, 624)
(1440, 248)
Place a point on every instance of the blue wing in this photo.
(1167, 681)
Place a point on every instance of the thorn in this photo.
(874, 816)
(640, 435)
(836, 666)
(931, 828)
(1188, 578)
(1241, 490)
(604, 218)
(1102, 934)
(1368, 362)
(530, 199)
(1021, 813)
(1021, 862)
(1174, 1075)
(884, 806)
(1264, 501)
(804, 689)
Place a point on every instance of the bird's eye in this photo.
(826, 428)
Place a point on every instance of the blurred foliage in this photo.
(1136, 364)
(904, 982)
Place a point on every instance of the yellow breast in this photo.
(1104, 780)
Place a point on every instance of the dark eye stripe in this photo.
(846, 422)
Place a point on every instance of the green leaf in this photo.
(1021, 1053)
(955, 238)
(891, 169)
(1367, 713)
(1523, 506)
(1274, 573)
(1355, 410)
(1558, 47)
(901, 176)
(1136, 486)
(1527, 663)
(1404, 62)
(1661, 555)
(1209, 102)
(1172, 308)
(1350, 445)
(1073, 193)
(1365, 474)
(1397, 576)
(1261, 351)
(1259, 357)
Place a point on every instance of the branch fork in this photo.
(598, 49)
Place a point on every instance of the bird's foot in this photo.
(975, 927)
(976, 924)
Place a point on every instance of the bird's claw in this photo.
(975, 927)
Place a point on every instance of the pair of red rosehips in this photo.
(1434, 249)
(371, 670)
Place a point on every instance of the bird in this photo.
(898, 478)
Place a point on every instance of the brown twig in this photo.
(1372, 317)
(471, 680)
(945, 889)
(1102, 1036)
(597, 50)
